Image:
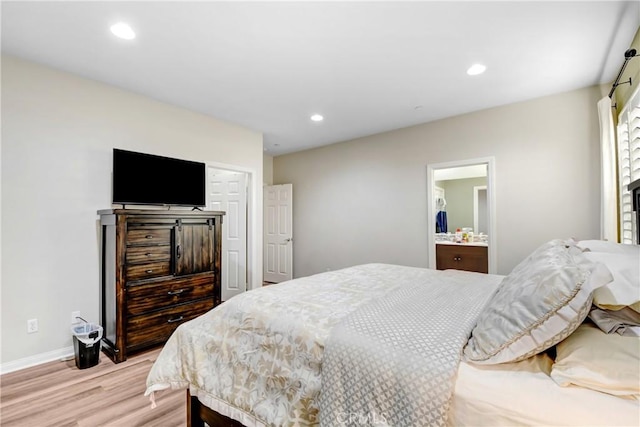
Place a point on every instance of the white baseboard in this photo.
(38, 359)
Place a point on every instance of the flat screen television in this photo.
(147, 179)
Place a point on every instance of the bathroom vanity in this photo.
(462, 256)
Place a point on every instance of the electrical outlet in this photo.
(74, 315)
(32, 326)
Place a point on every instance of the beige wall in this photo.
(58, 132)
(267, 169)
(365, 200)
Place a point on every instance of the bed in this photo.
(382, 344)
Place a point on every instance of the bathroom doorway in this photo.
(463, 211)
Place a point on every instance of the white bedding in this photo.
(523, 393)
(395, 360)
(257, 359)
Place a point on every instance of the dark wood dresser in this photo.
(160, 268)
(466, 257)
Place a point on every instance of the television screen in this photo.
(146, 179)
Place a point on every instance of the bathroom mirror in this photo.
(461, 194)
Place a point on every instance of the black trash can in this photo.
(86, 344)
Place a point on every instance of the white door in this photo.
(278, 233)
(228, 193)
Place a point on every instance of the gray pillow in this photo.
(541, 302)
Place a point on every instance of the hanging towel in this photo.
(441, 222)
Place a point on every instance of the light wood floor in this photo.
(59, 394)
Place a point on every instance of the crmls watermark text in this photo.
(363, 418)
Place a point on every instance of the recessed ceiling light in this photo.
(476, 69)
(317, 118)
(123, 31)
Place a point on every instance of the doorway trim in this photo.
(254, 215)
(491, 202)
(476, 198)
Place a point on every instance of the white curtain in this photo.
(608, 201)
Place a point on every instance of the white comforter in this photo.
(257, 357)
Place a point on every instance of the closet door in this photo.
(194, 248)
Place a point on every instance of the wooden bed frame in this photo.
(198, 414)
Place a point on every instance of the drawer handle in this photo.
(149, 236)
(178, 254)
(147, 254)
(149, 271)
(457, 258)
(178, 292)
(175, 320)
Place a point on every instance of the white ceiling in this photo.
(368, 67)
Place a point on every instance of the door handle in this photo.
(290, 239)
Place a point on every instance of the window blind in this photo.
(628, 133)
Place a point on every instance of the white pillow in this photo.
(610, 247)
(537, 305)
(624, 290)
(609, 363)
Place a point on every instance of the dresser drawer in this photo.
(156, 327)
(144, 254)
(149, 236)
(142, 299)
(461, 257)
(148, 270)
